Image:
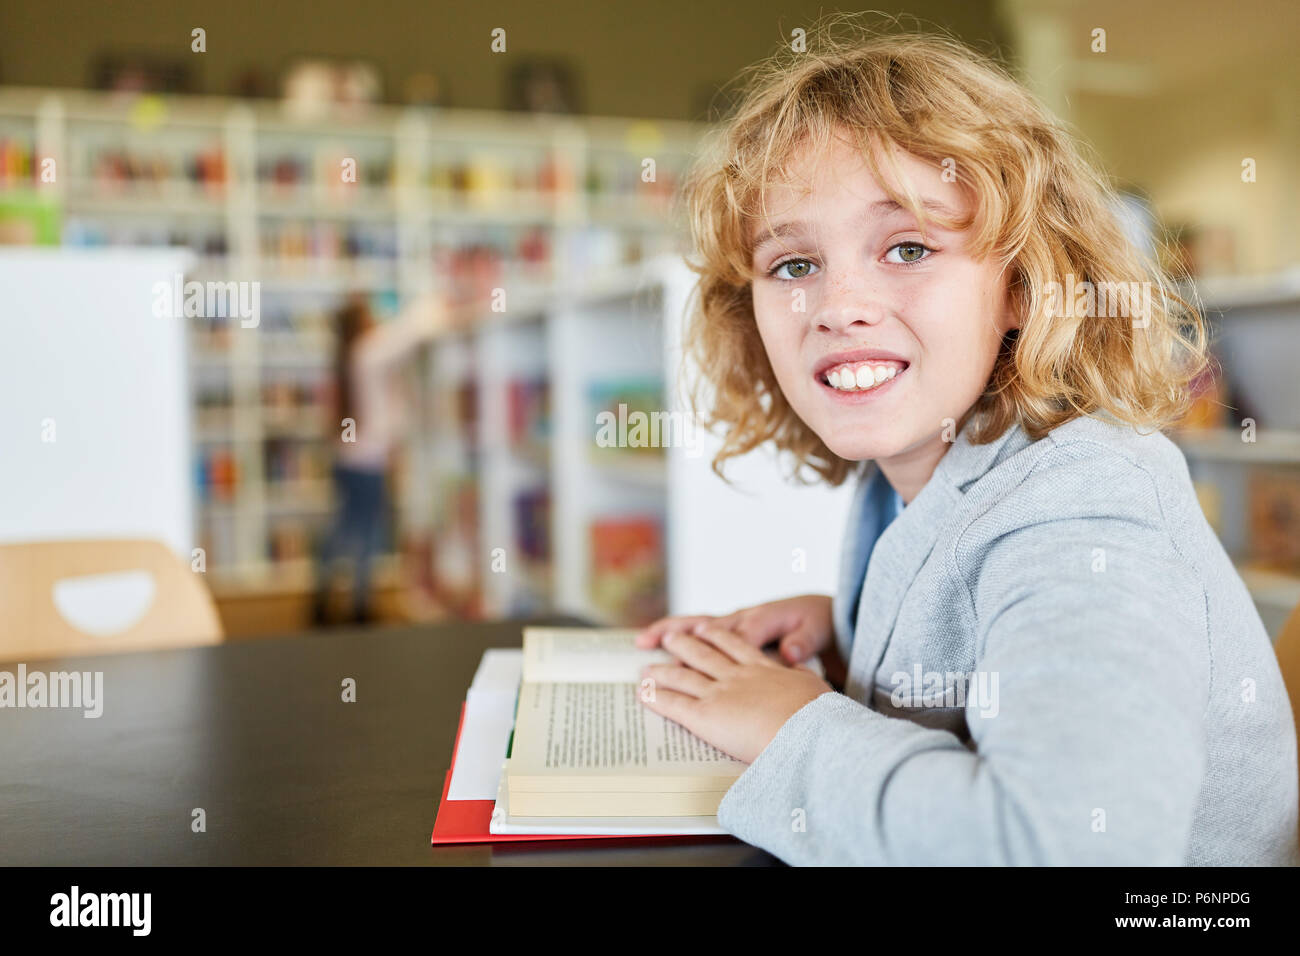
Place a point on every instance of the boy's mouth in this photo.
(863, 376)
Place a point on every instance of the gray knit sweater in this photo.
(1052, 660)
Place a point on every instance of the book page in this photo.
(602, 655)
(569, 735)
(505, 821)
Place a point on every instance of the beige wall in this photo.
(652, 58)
(1187, 148)
(1185, 90)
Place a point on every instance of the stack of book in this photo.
(556, 741)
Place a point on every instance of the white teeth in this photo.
(864, 377)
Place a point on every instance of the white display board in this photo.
(763, 539)
(94, 435)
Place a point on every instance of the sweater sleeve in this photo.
(1089, 749)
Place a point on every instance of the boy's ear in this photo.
(1010, 317)
(1008, 320)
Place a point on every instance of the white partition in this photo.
(763, 538)
(94, 435)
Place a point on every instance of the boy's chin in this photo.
(863, 450)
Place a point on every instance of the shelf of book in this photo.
(466, 201)
(558, 521)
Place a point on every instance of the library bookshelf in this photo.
(499, 505)
(504, 503)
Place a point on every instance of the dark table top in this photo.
(256, 734)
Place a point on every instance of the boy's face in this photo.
(877, 301)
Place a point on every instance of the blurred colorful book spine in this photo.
(529, 412)
(628, 582)
(627, 416)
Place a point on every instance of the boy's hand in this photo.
(802, 623)
(726, 691)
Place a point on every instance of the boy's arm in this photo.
(1093, 754)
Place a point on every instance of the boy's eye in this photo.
(908, 252)
(799, 269)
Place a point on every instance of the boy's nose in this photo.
(844, 312)
(847, 299)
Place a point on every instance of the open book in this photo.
(585, 744)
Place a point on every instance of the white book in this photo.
(503, 822)
(589, 756)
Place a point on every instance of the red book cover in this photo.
(467, 821)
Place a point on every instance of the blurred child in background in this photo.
(369, 413)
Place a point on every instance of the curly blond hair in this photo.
(1041, 209)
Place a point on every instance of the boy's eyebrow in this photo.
(880, 208)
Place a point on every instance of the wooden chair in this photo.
(180, 614)
(1287, 647)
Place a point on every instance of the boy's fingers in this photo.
(650, 636)
(676, 677)
(695, 650)
(797, 646)
(729, 642)
(760, 629)
(654, 633)
(677, 707)
(756, 629)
